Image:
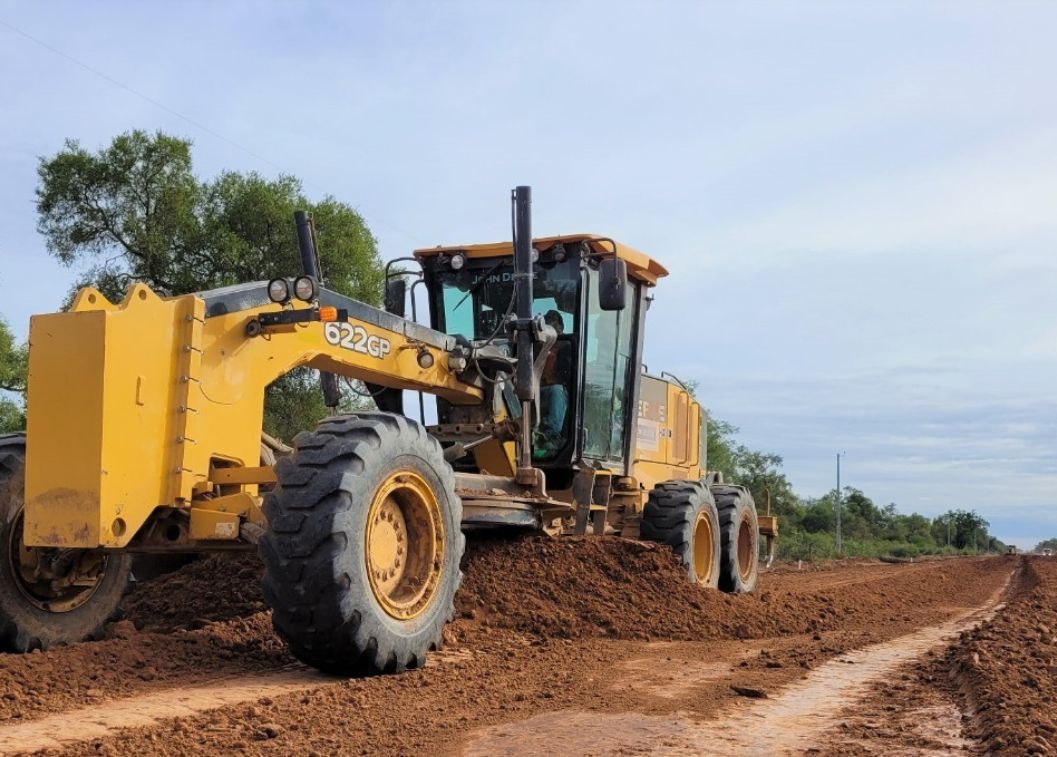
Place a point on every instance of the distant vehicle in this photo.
(1047, 552)
(1011, 550)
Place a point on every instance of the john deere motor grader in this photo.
(144, 436)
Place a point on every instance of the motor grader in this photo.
(145, 424)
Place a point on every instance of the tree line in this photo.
(807, 525)
(134, 211)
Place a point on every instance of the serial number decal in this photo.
(357, 339)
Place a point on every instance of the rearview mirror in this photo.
(395, 295)
(612, 284)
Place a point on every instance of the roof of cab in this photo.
(640, 265)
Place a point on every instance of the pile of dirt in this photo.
(616, 588)
(573, 588)
(1005, 671)
(586, 586)
(215, 588)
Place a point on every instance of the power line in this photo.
(147, 98)
(137, 93)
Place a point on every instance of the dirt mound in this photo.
(563, 588)
(215, 588)
(575, 587)
(1005, 671)
(572, 588)
(616, 588)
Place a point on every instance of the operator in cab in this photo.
(554, 394)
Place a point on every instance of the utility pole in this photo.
(839, 542)
(948, 531)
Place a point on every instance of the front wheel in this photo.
(682, 515)
(363, 545)
(49, 596)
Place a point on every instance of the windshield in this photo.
(473, 301)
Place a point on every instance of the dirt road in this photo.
(567, 646)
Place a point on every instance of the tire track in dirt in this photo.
(791, 722)
(151, 709)
(992, 690)
(147, 710)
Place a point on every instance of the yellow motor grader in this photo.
(144, 436)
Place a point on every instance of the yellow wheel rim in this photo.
(405, 545)
(746, 549)
(704, 548)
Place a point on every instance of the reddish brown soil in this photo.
(543, 625)
(1005, 672)
(573, 588)
(997, 682)
(221, 587)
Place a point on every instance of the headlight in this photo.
(278, 290)
(305, 288)
(458, 260)
(535, 255)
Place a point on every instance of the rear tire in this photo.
(42, 613)
(683, 515)
(740, 539)
(363, 545)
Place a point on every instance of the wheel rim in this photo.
(54, 580)
(405, 545)
(746, 549)
(704, 548)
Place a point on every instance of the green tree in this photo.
(819, 515)
(761, 473)
(720, 446)
(134, 211)
(966, 528)
(719, 439)
(1050, 544)
(13, 370)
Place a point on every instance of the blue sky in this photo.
(854, 199)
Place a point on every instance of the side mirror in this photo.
(396, 296)
(612, 284)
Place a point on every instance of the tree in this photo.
(13, 371)
(761, 474)
(1050, 544)
(134, 211)
(819, 515)
(967, 529)
(720, 448)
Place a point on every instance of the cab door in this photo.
(609, 339)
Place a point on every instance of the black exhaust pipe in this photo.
(525, 380)
(306, 244)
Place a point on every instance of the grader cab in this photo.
(144, 436)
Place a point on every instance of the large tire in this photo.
(740, 536)
(683, 515)
(343, 592)
(37, 615)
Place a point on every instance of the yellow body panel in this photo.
(131, 406)
(209, 525)
(668, 443)
(100, 423)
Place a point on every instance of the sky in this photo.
(854, 200)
